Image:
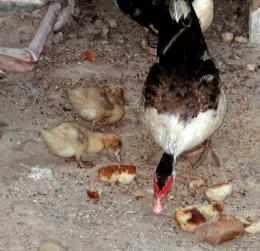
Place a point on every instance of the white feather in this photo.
(178, 9)
(176, 136)
(204, 10)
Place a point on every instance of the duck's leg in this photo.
(145, 42)
(202, 155)
(81, 163)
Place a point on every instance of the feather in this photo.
(179, 9)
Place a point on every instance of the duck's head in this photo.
(113, 143)
(118, 95)
(162, 181)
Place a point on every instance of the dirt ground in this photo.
(56, 205)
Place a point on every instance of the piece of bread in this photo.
(219, 192)
(189, 218)
(124, 174)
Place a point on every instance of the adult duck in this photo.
(184, 103)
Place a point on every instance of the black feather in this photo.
(164, 169)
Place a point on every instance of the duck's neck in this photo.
(95, 143)
(164, 169)
(181, 44)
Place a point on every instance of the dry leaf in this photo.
(93, 194)
(89, 55)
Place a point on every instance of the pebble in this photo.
(38, 173)
(227, 37)
(251, 67)
(58, 38)
(112, 23)
(105, 31)
(241, 39)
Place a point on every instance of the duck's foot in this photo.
(81, 163)
(155, 158)
(147, 43)
(202, 155)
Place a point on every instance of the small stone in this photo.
(38, 173)
(254, 228)
(112, 23)
(197, 182)
(105, 31)
(227, 37)
(58, 38)
(241, 39)
(251, 67)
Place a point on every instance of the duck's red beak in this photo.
(161, 195)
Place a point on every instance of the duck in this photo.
(149, 14)
(184, 101)
(98, 104)
(71, 140)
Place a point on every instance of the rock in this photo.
(254, 22)
(112, 23)
(254, 228)
(58, 38)
(224, 229)
(241, 39)
(38, 173)
(227, 37)
(104, 32)
(251, 67)
(197, 182)
(50, 245)
(2, 74)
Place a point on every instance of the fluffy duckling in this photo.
(96, 104)
(70, 139)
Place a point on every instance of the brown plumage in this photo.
(174, 93)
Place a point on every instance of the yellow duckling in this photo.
(96, 104)
(70, 139)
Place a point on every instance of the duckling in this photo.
(96, 104)
(70, 139)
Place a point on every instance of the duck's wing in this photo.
(185, 80)
(173, 93)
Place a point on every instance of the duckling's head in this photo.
(113, 143)
(118, 95)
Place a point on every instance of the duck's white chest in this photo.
(204, 10)
(176, 136)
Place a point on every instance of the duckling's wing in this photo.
(65, 139)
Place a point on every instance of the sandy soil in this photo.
(56, 206)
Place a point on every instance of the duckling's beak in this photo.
(117, 154)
